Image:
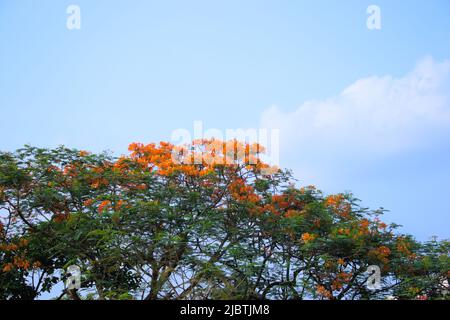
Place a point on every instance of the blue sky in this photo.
(138, 70)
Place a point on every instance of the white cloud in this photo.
(387, 139)
(375, 115)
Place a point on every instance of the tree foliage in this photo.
(166, 222)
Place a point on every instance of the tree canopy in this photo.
(207, 222)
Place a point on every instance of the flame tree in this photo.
(207, 222)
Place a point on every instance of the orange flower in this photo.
(280, 201)
(9, 247)
(382, 225)
(88, 202)
(21, 262)
(381, 253)
(336, 285)
(323, 292)
(242, 192)
(345, 231)
(344, 276)
(384, 250)
(23, 242)
(307, 237)
(119, 205)
(60, 217)
(364, 223)
(338, 204)
(292, 213)
(103, 205)
(8, 267)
